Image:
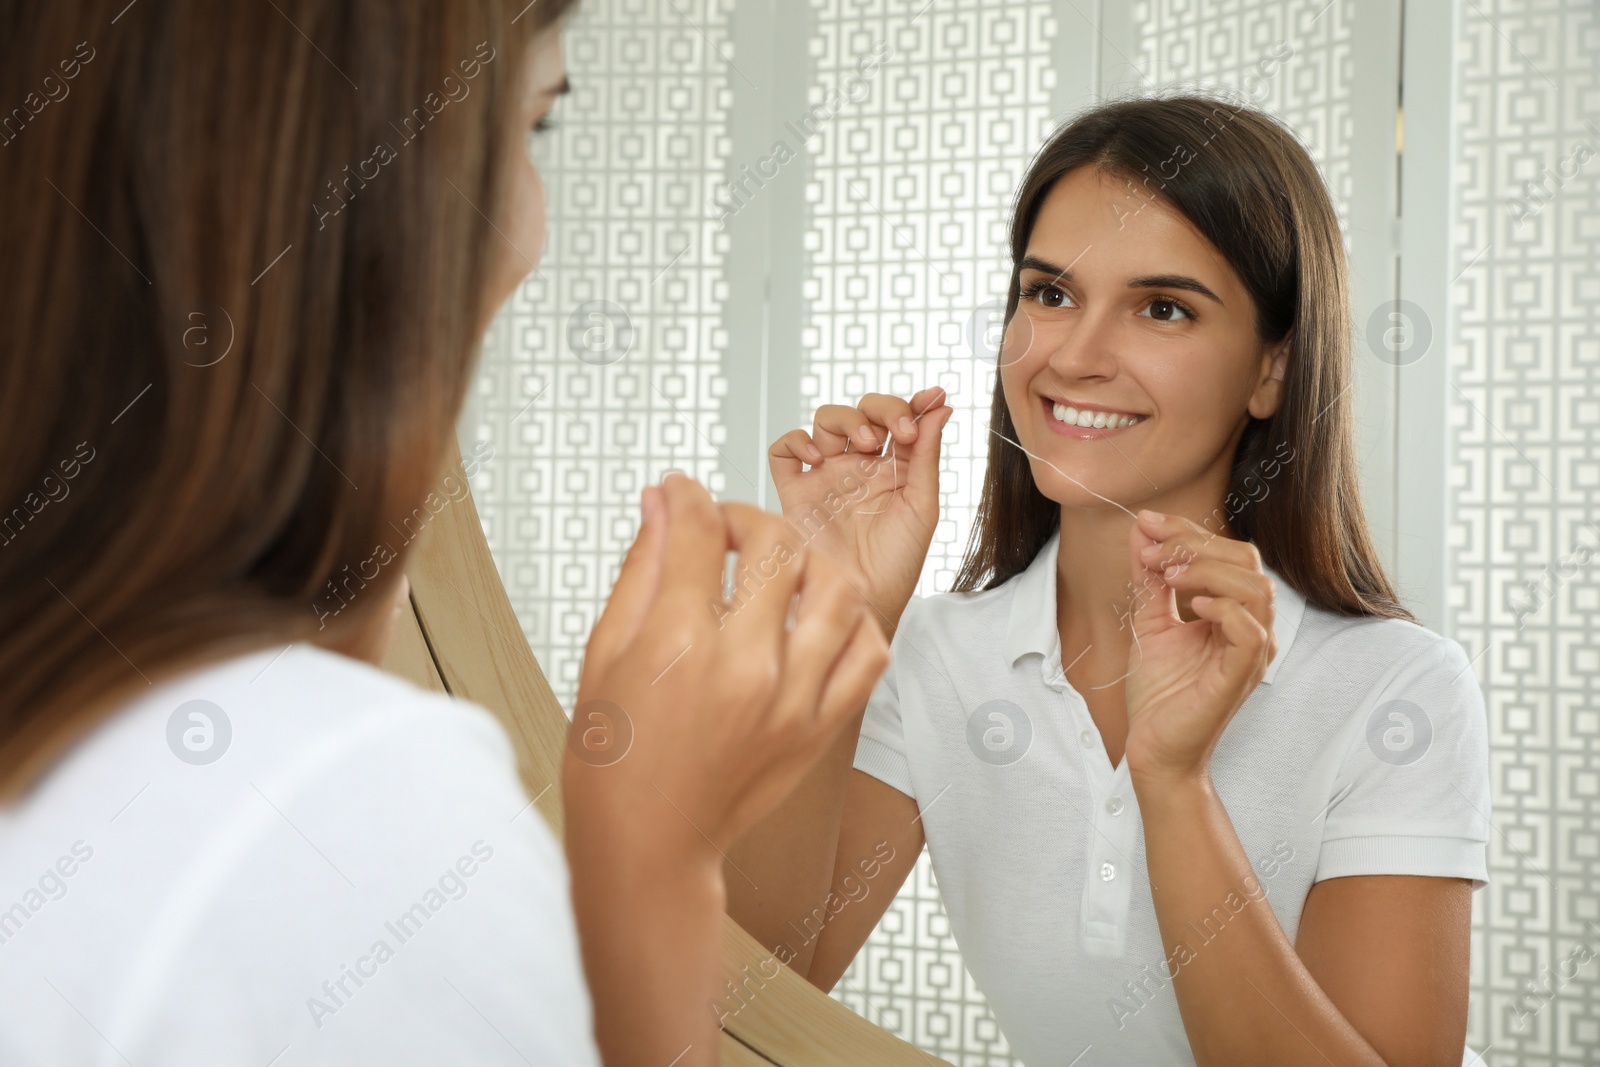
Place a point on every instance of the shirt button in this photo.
(1087, 737)
(1107, 872)
(1114, 805)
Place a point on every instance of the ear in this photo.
(1268, 393)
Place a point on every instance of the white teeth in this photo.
(1098, 420)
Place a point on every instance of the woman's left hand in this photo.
(1186, 679)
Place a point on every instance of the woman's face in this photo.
(523, 223)
(1131, 321)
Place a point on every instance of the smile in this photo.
(1088, 422)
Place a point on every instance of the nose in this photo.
(1086, 350)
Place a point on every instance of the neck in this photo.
(1094, 569)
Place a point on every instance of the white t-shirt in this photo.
(336, 867)
(1363, 751)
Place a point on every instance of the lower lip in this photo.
(1084, 433)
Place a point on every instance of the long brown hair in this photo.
(241, 264)
(1251, 189)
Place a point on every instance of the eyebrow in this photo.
(561, 89)
(1147, 281)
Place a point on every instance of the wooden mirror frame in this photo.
(462, 637)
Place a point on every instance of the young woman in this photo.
(1195, 787)
(248, 253)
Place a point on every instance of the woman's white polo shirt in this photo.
(1363, 751)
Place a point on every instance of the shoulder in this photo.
(317, 809)
(324, 690)
(281, 723)
(959, 617)
(1400, 683)
(1381, 652)
(333, 727)
(312, 703)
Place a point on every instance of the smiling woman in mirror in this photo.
(1194, 784)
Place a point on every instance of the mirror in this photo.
(764, 207)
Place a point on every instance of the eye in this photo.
(535, 132)
(1046, 295)
(1163, 309)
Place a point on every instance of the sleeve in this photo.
(881, 750)
(1412, 794)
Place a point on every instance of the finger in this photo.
(1154, 605)
(789, 454)
(1212, 577)
(922, 477)
(891, 413)
(826, 617)
(636, 585)
(694, 557)
(848, 687)
(925, 400)
(915, 467)
(1182, 540)
(769, 570)
(1246, 644)
(836, 424)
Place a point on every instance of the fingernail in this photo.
(813, 453)
(1150, 550)
(1153, 516)
(1172, 571)
(649, 505)
(906, 425)
(867, 437)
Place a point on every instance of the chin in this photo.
(1062, 486)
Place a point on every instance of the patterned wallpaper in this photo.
(1525, 529)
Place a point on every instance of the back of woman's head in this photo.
(1251, 190)
(242, 261)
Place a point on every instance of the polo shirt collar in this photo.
(1031, 626)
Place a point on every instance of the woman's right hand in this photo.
(870, 499)
(717, 708)
(695, 718)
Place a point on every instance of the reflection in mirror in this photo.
(744, 230)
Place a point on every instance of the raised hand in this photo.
(694, 719)
(717, 709)
(870, 499)
(1187, 679)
